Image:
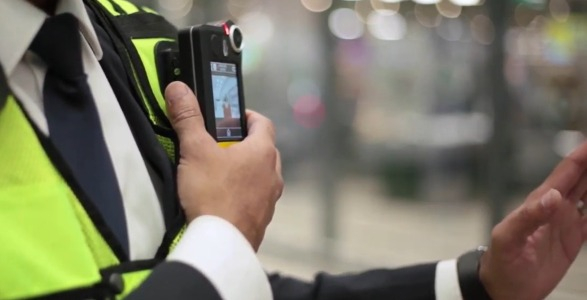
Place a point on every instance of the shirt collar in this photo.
(20, 21)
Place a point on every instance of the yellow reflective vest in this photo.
(51, 244)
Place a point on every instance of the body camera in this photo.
(211, 64)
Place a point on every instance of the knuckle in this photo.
(187, 112)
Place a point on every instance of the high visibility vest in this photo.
(52, 244)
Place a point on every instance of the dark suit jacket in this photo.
(178, 281)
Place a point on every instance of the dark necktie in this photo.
(74, 124)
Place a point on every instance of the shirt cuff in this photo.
(446, 284)
(218, 250)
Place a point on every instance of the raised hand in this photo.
(533, 247)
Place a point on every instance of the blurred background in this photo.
(407, 128)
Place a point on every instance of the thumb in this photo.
(184, 112)
(533, 214)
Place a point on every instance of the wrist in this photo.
(253, 234)
(484, 274)
(469, 274)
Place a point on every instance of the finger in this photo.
(260, 127)
(184, 111)
(568, 172)
(579, 191)
(525, 220)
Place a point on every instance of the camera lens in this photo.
(236, 38)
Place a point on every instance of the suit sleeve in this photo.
(175, 280)
(409, 283)
(212, 261)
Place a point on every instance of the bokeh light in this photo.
(560, 10)
(449, 9)
(239, 7)
(426, 1)
(388, 27)
(176, 9)
(566, 141)
(363, 9)
(386, 7)
(257, 26)
(300, 88)
(427, 15)
(345, 24)
(483, 29)
(317, 5)
(309, 111)
(523, 15)
(468, 2)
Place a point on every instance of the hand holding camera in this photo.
(240, 184)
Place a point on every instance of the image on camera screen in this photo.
(226, 101)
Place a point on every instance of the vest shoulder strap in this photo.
(137, 21)
(138, 33)
(123, 7)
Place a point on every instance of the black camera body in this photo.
(210, 62)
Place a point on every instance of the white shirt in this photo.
(211, 245)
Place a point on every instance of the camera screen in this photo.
(226, 101)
